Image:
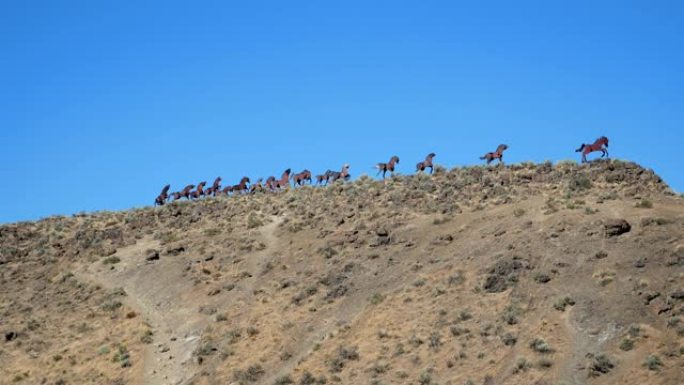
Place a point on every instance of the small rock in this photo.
(650, 296)
(381, 232)
(10, 336)
(601, 254)
(639, 263)
(175, 249)
(679, 294)
(152, 255)
(616, 227)
(108, 251)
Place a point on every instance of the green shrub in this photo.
(653, 362)
(627, 344)
(111, 260)
(540, 346)
(600, 365)
(562, 303)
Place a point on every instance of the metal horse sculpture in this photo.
(598, 145)
(323, 178)
(271, 183)
(215, 188)
(163, 196)
(257, 187)
(498, 154)
(332, 176)
(427, 163)
(389, 166)
(284, 180)
(199, 192)
(301, 178)
(242, 186)
(185, 193)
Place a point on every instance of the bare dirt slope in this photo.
(526, 274)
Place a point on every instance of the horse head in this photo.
(394, 159)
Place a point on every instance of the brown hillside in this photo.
(525, 274)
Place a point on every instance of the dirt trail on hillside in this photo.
(164, 302)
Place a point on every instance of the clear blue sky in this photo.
(102, 103)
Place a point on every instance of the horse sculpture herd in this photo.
(192, 192)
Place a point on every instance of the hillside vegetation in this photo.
(524, 274)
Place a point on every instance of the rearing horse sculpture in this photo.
(586, 149)
(284, 180)
(199, 192)
(498, 154)
(163, 196)
(215, 188)
(427, 163)
(389, 166)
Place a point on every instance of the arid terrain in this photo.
(524, 274)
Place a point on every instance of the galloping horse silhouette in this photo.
(185, 193)
(215, 188)
(242, 186)
(389, 166)
(498, 154)
(163, 196)
(199, 192)
(301, 178)
(596, 146)
(332, 176)
(421, 166)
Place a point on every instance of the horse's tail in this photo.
(483, 157)
(581, 148)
